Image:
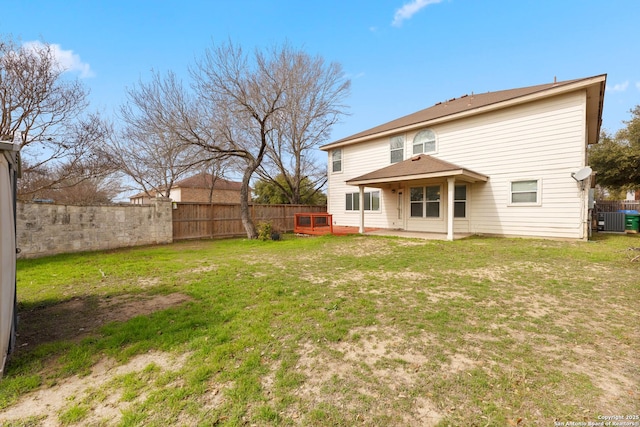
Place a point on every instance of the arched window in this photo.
(424, 142)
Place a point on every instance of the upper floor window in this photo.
(525, 192)
(424, 142)
(396, 146)
(336, 158)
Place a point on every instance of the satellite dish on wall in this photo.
(582, 174)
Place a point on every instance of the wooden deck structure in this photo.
(314, 223)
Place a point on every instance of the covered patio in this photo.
(418, 168)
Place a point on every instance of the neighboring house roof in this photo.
(417, 167)
(201, 180)
(473, 104)
(139, 195)
(204, 180)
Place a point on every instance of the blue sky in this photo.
(401, 55)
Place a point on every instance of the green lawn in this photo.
(336, 331)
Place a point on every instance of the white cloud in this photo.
(410, 9)
(638, 85)
(355, 76)
(620, 87)
(67, 60)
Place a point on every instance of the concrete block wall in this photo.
(49, 229)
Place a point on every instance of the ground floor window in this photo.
(460, 201)
(425, 201)
(371, 201)
(525, 192)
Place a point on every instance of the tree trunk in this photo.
(247, 222)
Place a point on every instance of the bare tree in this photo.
(59, 184)
(236, 109)
(149, 148)
(44, 111)
(216, 169)
(313, 104)
(244, 97)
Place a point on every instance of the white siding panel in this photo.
(358, 160)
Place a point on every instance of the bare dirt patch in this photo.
(48, 402)
(76, 319)
(364, 248)
(81, 317)
(203, 269)
(376, 365)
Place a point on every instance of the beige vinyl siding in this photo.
(543, 140)
(357, 160)
(506, 141)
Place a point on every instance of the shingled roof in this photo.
(417, 167)
(204, 180)
(477, 103)
(201, 180)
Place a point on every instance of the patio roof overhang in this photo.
(416, 168)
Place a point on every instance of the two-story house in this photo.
(509, 163)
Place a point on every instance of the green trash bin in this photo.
(632, 223)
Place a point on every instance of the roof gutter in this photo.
(471, 176)
(546, 93)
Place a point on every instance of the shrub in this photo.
(266, 231)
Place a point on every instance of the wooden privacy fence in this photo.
(217, 220)
(615, 206)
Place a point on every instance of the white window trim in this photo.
(424, 205)
(391, 150)
(366, 211)
(538, 201)
(341, 160)
(466, 202)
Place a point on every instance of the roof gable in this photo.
(479, 103)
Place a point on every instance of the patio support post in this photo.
(451, 185)
(361, 195)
